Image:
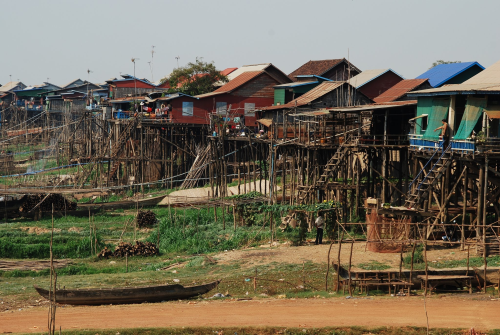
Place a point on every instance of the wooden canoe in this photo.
(128, 295)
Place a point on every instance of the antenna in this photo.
(151, 63)
(178, 57)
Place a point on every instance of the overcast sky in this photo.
(61, 39)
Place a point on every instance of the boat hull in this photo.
(132, 295)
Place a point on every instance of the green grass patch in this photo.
(373, 265)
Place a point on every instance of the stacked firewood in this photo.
(60, 203)
(126, 249)
(492, 246)
(146, 218)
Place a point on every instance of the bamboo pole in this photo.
(426, 268)
(411, 269)
(338, 262)
(350, 262)
(464, 212)
(328, 266)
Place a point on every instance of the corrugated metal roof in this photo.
(318, 67)
(313, 113)
(266, 122)
(10, 85)
(248, 68)
(366, 76)
(242, 79)
(73, 82)
(374, 106)
(493, 114)
(442, 73)
(317, 92)
(489, 76)
(295, 84)
(229, 70)
(457, 89)
(399, 90)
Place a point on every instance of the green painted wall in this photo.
(304, 88)
(279, 96)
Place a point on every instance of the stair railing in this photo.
(428, 173)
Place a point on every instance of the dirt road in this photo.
(447, 312)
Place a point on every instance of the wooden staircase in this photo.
(421, 191)
(120, 145)
(331, 167)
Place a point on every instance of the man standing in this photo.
(320, 223)
(445, 133)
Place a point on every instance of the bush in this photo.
(418, 256)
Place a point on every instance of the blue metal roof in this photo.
(296, 84)
(440, 74)
(313, 76)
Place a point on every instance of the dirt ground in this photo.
(284, 253)
(443, 312)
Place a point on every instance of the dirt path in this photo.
(444, 312)
(285, 253)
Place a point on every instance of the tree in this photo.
(195, 78)
(440, 61)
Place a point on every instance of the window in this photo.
(187, 108)
(221, 108)
(249, 109)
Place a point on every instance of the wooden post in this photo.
(480, 198)
(223, 217)
(328, 266)
(485, 264)
(411, 269)
(350, 262)
(338, 262)
(401, 260)
(426, 268)
(468, 254)
(271, 228)
(464, 211)
(234, 216)
(255, 282)
(304, 275)
(90, 233)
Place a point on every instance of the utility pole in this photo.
(88, 78)
(151, 63)
(177, 61)
(135, 85)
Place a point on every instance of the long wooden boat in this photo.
(125, 203)
(129, 295)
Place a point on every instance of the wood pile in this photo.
(198, 168)
(60, 203)
(146, 218)
(126, 249)
(492, 246)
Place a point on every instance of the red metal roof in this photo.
(243, 78)
(399, 90)
(317, 92)
(228, 70)
(318, 67)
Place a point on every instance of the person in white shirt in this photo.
(320, 224)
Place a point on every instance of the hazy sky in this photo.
(61, 39)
